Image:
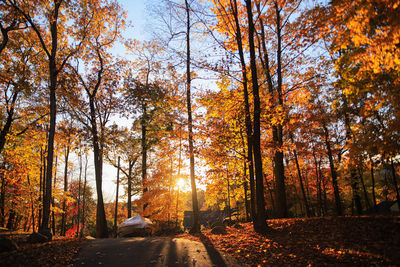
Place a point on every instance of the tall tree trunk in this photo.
(259, 224)
(64, 215)
(352, 168)
(101, 222)
(372, 180)
(44, 174)
(2, 200)
(339, 210)
(277, 137)
(278, 157)
(245, 188)
(41, 186)
(79, 194)
(196, 217)
(11, 218)
(170, 177)
(53, 73)
(301, 184)
(228, 200)
(307, 186)
(319, 190)
(271, 196)
(249, 130)
(129, 204)
(249, 211)
(53, 221)
(10, 117)
(32, 206)
(26, 226)
(144, 151)
(116, 199)
(325, 206)
(84, 197)
(366, 198)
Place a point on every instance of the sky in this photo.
(139, 28)
(136, 14)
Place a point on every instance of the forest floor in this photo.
(313, 242)
(308, 241)
(58, 252)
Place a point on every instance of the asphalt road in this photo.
(150, 251)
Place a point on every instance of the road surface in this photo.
(150, 251)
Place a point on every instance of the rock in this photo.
(218, 230)
(46, 232)
(7, 245)
(37, 238)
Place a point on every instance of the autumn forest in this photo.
(265, 109)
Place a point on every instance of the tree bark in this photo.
(41, 186)
(248, 122)
(245, 188)
(278, 140)
(259, 224)
(271, 196)
(339, 210)
(9, 120)
(3, 200)
(53, 220)
(196, 217)
(101, 222)
(302, 184)
(353, 172)
(372, 180)
(64, 215)
(325, 206)
(277, 137)
(84, 197)
(228, 200)
(360, 174)
(129, 203)
(144, 151)
(79, 194)
(116, 199)
(53, 73)
(319, 189)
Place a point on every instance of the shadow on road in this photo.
(150, 251)
(213, 253)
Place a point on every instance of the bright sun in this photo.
(183, 185)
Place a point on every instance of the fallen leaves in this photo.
(314, 241)
(55, 253)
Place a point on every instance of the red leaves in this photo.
(55, 253)
(316, 241)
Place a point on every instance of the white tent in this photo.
(135, 226)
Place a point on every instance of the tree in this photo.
(99, 84)
(58, 43)
(224, 9)
(145, 95)
(259, 225)
(122, 143)
(196, 218)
